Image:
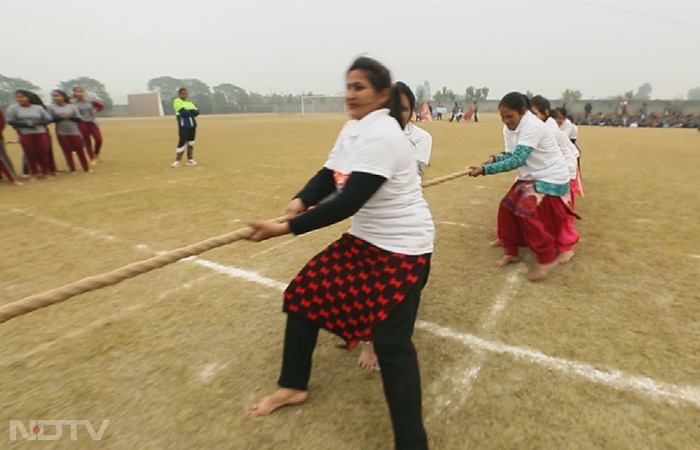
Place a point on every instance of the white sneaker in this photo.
(175, 165)
(191, 162)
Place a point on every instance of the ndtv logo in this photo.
(37, 429)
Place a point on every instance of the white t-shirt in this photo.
(396, 218)
(510, 138)
(574, 131)
(422, 142)
(568, 149)
(567, 127)
(546, 162)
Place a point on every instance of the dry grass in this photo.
(173, 358)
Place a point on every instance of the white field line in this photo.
(209, 371)
(89, 232)
(104, 195)
(455, 224)
(231, 272)
(453, 388)
(101, 322)
(235, 272)
(613, 378)
(695, 256)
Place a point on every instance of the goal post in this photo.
(316, 104)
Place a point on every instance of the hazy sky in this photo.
(287, 46)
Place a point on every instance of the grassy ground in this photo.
(175, 357)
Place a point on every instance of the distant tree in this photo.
(482, 94)
(530, 94)
(257, 99)
(629, 95)
(643, 92)
(445, 95)
(93, 89)
(472, 94)
(227, 96)
(570, 95)
(694, 94)
(167, 86)
(469, 94)
(199, 92)
(9, 85)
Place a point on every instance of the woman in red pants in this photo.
(30, 122)
(536, 208)
(67, 118)
(88, 124)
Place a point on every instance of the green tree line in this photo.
(230, 98)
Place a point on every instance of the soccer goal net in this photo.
(315, 104)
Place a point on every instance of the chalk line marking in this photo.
(613, 378)
(101, 322)
(454, 387)
(209, 371)
(104, 195)
(93, 233)
(455, 224)
(235, 272)
(695, 256)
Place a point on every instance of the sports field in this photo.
(604, 353)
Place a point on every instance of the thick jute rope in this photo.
(63, 293)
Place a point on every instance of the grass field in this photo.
(605, 353)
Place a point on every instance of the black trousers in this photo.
(397, 358)
(185, 135)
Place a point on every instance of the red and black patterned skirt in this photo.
(352, 286)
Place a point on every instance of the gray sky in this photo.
(287, 46)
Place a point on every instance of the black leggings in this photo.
(186, 135)
(397, 358)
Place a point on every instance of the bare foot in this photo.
(32, 178)
(18, 183)
(541, 270)
(565, 257)
(505, 260)
(368, 359)
(72, 172)
(494, 243)
(282, 397)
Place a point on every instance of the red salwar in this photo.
(91, 130)
(73, 143)
(36, 149)
(527, 218)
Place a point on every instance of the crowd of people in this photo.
(76, 129)
(641, 119)
(426, 113)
